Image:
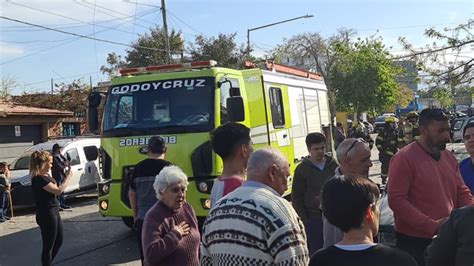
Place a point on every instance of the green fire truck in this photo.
(183, 103)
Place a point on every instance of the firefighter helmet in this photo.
(391, 119)
(412, 114)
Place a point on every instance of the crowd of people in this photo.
(334, 214)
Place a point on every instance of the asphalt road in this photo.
(89, 238)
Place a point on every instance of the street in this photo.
(89, 238)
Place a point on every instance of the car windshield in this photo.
(458, 125)
(177, 105)
(380, 119)
(22, 163)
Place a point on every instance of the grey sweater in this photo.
(307, 184)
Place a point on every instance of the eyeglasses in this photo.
(358, 140)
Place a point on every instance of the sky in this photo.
(33, 56)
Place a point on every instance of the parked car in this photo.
(459, 151)
(457, 127)
(379, 123)
(81, 152)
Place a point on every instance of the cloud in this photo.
(7, 50)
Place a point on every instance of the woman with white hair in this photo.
(170, 233)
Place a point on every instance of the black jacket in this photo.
(455, 243)
(58, 171)
(308, 181)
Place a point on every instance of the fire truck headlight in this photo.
(106, 188)
(104, 205)
(203, 187)
(206, 204)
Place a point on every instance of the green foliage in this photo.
(139, 56)
(444, 97)
(363, 76)
(222, 49)
(444, 60)
(320, 50)
(148, 50)
(67, 97)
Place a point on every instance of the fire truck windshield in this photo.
(160, 107)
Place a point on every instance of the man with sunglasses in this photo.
(425, 185)
(353, 156)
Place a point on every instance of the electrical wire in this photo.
(63, 43)
(94, 7)
(59, 15)
(182, 21)
(84, 36)
(118, 12)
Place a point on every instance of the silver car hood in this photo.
(22, 176)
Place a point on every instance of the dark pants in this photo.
(415, 246)
(314, 234)
(385, 160)
(139, 226)
(51, 228)
(3, 203)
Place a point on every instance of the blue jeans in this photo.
(314, 234)
(4, 204)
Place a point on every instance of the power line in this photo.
(47, 81)
(95, 42)
(94, 7)
(79, 24)
(52, 47)
(84, 36)
(59, 15)
(118, 12)
(191, 27)
(36, 41)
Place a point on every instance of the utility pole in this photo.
(52, 87)
(165, 30)
(269, 25)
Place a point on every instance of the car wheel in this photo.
(128, 221)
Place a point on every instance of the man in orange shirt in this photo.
(425, 185)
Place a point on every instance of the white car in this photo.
(81, 152)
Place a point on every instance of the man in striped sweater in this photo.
(254, 225)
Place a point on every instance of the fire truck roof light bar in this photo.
(148, 69)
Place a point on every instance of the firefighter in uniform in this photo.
(387, 144)
(411, 130)
(358, 132)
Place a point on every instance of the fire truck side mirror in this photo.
(92, 112)
(235, 109)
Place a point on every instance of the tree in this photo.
(363, 77)
(67, 97)
(223, 49)
(149, 49)
(114, 62)
(445, 63)
(444, 97)
(403, 96)
(5, 89)
(320, 51)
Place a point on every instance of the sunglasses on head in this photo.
(358, 140)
